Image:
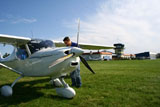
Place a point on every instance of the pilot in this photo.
(21, 53)
(75, 75)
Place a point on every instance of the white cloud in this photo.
(9, 18)
(24, 20)
(136, 23)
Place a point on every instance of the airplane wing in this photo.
(94, 46)
(13, 40)
(85, 45)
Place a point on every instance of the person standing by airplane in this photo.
(75, 75)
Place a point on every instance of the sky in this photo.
(135, 23)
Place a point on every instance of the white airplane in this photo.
(41, 58)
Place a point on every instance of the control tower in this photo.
(119, 49)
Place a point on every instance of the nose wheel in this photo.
(66, 92)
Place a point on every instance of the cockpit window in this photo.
(37, 44)
(46, 44)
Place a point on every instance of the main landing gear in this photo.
(66, 91)
(7, 90)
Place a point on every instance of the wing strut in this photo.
(28, 50)
(9, 68)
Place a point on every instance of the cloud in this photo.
(9, 18)
(24, 20)
(135, 23)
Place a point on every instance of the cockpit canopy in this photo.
(34, 45)
(37, 44)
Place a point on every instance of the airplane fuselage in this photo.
(39, 63)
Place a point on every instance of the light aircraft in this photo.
(43, 58)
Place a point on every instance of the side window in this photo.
(33, 47)
(36, 45)
(46, 44)
(21, 52)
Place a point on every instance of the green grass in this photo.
(134, 83)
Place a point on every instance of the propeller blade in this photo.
(60, 60)
(86, 64)
(78, 32)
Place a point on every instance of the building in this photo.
(98, 55)
(128, 56)
(119, 50)
(146, 55)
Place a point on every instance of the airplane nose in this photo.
(77, 51)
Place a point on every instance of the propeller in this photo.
(73, 52)
(70, 53)
(86, 64)
(82, 59)
(78, 32)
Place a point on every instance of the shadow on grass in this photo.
(26, 91)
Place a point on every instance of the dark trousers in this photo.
(76, 78)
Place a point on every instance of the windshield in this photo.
(37, 44)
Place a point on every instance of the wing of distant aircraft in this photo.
(85, 45)
(13, 40)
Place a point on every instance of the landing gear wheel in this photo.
(6, 91)
(66, 92)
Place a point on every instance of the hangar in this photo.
(146, 55)
(97, 55)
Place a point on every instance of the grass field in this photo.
(134, 83)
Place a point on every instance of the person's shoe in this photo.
(78, 86)
(73, 85)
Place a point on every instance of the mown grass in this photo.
(134, 83)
